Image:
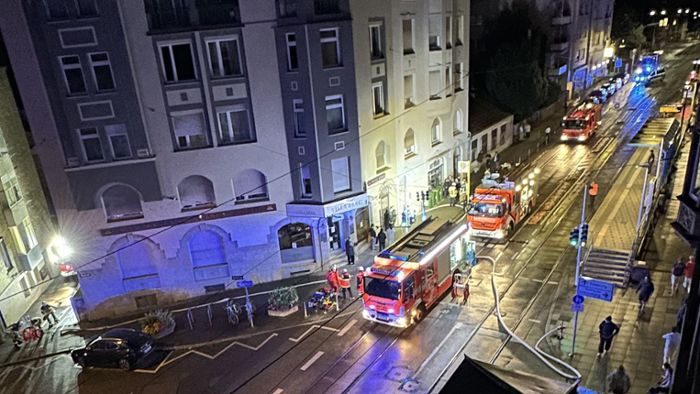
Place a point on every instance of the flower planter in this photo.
(167, 330)
(283, 312)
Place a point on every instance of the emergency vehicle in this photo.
(497, 207)
(581, 123)
(648, 68)
(411, 276)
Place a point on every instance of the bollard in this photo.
(306, 314)
(209, 314)
(190, 318)
(337, 303)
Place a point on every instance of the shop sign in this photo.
(305, 210)
(348, 204)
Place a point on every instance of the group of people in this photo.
(379, 238)
(682, 272)
(343, 281)
(453, 190)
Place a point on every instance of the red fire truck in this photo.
(581, 123)
(411, 275)
(498, 206)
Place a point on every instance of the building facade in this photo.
(412, 75)
(25, 224)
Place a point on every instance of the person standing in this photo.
(332, 279)
(547, 132)
(607, 331)
(372, 237)
(528, 129)
(688, 273)
(664, 385)
(452, 191)
(619, 381)
(390, 234)
(677, 275)
(672, 341)
(381, 240)
(350, 251)
(47, 312)
(592, 193)
(645, 290)
(361, 281)
(344, 281)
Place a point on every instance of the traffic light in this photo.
(573, 236)
(584, 234)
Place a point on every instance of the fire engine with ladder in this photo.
(581, 123)
(412, 275)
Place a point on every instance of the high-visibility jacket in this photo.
(344, 280)
(593, 189)
(361, 282)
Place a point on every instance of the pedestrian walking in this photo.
(332, 279)
(452, 191)
(547, 132)
(688, 273)
(361, 281)
(390, 234)
(619, 381)
(372, 237)
(528, 129)
(446, 186)
(607, 331)
(521, 132)
(645, 290)
(664, 385)
(592, 193)
(344, 282)
(672, 340)
(677, 275)
(47, 312)
(381, 240)
(350, 251)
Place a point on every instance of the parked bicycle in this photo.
(233, 312)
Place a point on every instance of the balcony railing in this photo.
(166, 15)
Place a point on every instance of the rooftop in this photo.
(483, 114)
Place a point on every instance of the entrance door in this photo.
(362, 224)
(334, 232)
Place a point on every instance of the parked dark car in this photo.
(116, 348)
(599, 96)
(610, 88)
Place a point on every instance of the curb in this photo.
(28, 360)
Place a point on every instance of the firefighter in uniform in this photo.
(361, 281)
(592, 192)
(344, 282)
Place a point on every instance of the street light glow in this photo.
(663, 12)
(652, 12)
(59, 248)
(680, 11)
(687, 10)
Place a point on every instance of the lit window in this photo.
(292, 56)
(73, 74)
(330, 48)
(178, 64)
(92, 146)
(341, 174)
(224, 57)
(335, 114)
(234, 125)
(118, 141)
(102, 71)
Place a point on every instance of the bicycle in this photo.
(233, 312)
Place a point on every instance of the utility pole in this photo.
(578, 264)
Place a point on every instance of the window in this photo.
(250, 185)
(375, 42)
(292, 58)
(287, 8)
(118, 141)
(305, 176)
(178, 64)
(448, 80)
(494, 138)
(434, 32)
(341, 174)
(409, 92)
(27, 235)
(335, 114)
(434, 80)
(436, 132)
(485, 143)
(502, 140)
(56, 9)
(299, 118)
(330, 48)
(461, 77)
(224, 57)
(12, 191)
(475, 149)
(448, 33)
(408, 37)
(378, 99)
(189, 130)
(73, 74)
(234, 125)
(381, 156)
(92, 146)
(294, 235)
(458, 122)
(121, 202)
(86, 8)
(460, 30)
(409, 143)
(5, 255)
(196, 191)
(206, 249)
(101, 71)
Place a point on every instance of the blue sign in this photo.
(594, 288)
(577, 299)
(576, 307)
(244, 283)
(618, 63)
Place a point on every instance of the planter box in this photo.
(165, 332)
(283, 313)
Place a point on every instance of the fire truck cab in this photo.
(497, 207)
(411, 276)
(581, 123)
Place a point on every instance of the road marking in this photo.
(278, 391)
(552, 283)
(498, 256)
(313, 327)
(347, 327)
(534, 321)
(536, 280)
(432, 354)
(312, 360)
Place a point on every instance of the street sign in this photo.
(463, 167)
(576, 307)
(594, 288)
(577, 299)
(244, 283)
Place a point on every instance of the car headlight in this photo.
(401, 321)
(366, 314)
(499, 233)
(391, 311)
(372, 307)
(581, 138)
(563, 137)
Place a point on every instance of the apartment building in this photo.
(412, 75)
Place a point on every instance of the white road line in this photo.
(347, 327)
(552, 283)
(534, 321)
(536, 280)
(312, 360)
(278, 391)
(432, 354)
(498, 256)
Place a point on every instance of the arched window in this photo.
(121, 202)
(409, 143)
(381, 156)
(250, 185)
(206, 249)
(294, 235)
(459, 122)
(436, 132)
(196, 191)
(137, 258)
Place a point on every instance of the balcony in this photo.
(16, 213)
(31, 260)
(561, 20)
(178, 15)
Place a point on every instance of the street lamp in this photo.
(680, 11)
(59, 250)
(652, 12)
(663, 12)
